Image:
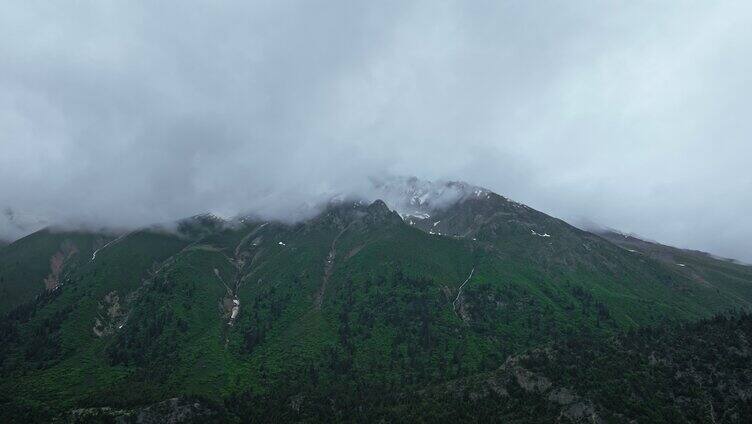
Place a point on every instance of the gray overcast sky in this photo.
(631, 114)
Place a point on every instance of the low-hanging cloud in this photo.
(632, 115)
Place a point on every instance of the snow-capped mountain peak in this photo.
(419, 198)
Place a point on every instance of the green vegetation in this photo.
(25, 264)
(343, 316)
(699, 372)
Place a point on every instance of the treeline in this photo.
(24, 347)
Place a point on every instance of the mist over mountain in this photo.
(336, 211)
(627, 115)
(448, 301)
(405, 195)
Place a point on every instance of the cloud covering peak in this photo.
(632, 115)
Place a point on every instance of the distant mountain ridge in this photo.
(437, 282)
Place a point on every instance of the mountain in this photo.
(698, 372)
(435, 283)
(40, 261)
(701, 267)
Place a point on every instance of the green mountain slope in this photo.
(702, 268)
(40, 261)
(697, 372)
(353, 303)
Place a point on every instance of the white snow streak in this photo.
(94, 255)
(459, 292)
(540, 235)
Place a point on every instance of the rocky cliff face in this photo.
(171, 411)
(700, 372)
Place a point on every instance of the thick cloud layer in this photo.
(632, 115)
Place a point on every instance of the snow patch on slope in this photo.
(414, 198)
(539, 234)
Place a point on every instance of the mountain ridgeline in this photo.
(344, 316)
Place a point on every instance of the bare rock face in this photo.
(171, 411)
(562, 396)
(513, 373)
(57, 262)
(529, 381)
(111, 315)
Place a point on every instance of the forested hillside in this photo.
(333, 316)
